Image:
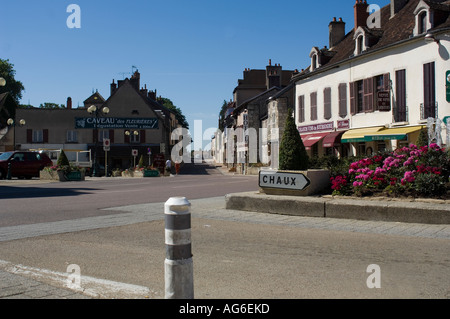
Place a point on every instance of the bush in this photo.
(293, 154)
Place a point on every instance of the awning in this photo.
(332, 139)
(311, 139)
(359, 135)
(399, 133)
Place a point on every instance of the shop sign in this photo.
(345, 124)
(116, 123)
(316, 127)
(384, 100)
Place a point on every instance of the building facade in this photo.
(377, 86)
(131, 119)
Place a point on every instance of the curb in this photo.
(342, 208)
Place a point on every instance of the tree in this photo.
(48, 105)
(141, 162)
(13, 87)
(223, 112)
(178, 114)
(62, 159)
(293, 154)
(422, 140)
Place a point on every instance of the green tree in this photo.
(422, 140)
(141, 161)
(62, 159)
(223, 111)
(48, 105)
(293, 154)
(178, 113)
(13, 87)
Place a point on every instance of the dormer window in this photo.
(424, 18)
(360, 41)
(314, 55)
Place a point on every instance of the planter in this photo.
(47, 175)
(151, 173)
(71, 176)
(320, 184)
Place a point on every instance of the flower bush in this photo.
(408, 171)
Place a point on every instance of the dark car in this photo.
(23, 164)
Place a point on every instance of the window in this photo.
(102, 135)
(135, 138)
(38, 136)
(359, 44)
(343, 100)
(301, 109)
(400, 112)
(422, 28)
(429, 94)
(313, 106)
(72, 137)
(359, 96)
(327, 103)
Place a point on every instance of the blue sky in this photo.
(192, 52)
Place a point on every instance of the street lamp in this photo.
(12, 123)
(2, 82)
(96, 112)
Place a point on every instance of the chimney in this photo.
(361, 13)
(113, 87)
(397, 5)
(69, 103)
(337, 32)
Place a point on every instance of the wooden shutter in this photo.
(313, 106)
(400, 87)
(368, 87)
(142, 136)
(127, 137)
(343, 100)
(429, 94)
(301, 109)
(111, 136)
(29, 136)
(45, 136)
(353, 91)
(327, 103)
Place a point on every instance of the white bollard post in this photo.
(179, 273)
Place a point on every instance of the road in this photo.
(240, 255)
(31, 203)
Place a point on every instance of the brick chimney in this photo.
(337, 32)
(361, 13)
(69, 103)
(113, 87)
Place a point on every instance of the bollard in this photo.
(8, 175)
(179, 273)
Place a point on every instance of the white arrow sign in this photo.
(293, 181)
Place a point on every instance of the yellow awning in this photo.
(359, 135)
(398, 133)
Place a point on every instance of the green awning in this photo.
(399, 133)
(359, 135)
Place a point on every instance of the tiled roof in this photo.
(393, 30)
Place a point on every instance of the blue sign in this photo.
(116, 123)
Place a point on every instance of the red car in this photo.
(23, 164)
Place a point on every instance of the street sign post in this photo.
(134, 153)
(106, 148)
(281, 180)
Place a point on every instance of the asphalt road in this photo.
(237, 255)
(30, 203)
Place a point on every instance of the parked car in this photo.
(23, 164)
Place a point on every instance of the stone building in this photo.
(131, 118)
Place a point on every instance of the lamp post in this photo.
(12, 123)
(96, 112)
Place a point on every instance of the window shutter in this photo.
(429, 86)
(368, 95)
(327, 103)
(127, 138)
(111, 136)
(353, 98)
(142, 136)
(301, 109)
(313, 106)
(343, 100)
(29, 136)
(45, 136)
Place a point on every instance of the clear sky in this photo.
(192, 52)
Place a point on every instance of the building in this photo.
(378, 85)
(249, 111)
(132, 120)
